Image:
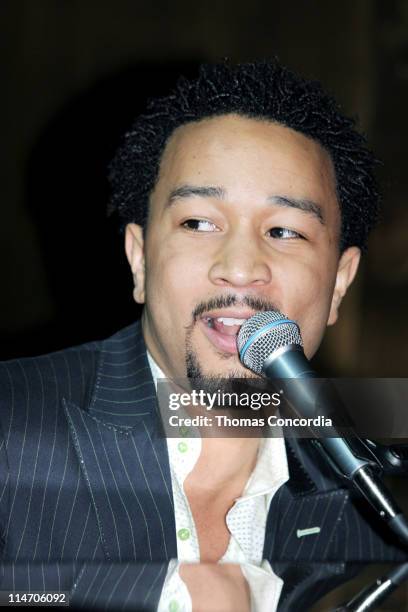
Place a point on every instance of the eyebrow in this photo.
(305, 205)
(188, 191)
(219, 193)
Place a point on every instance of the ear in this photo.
(346, 271)
(135, 255)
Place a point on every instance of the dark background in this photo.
(75, 73)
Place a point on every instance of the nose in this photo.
(240, 262)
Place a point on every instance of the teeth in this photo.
(230, 322)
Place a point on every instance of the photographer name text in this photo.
(221, 420)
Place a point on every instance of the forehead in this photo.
(250, 155)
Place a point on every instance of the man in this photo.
(244, 190)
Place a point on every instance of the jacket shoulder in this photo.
(31, 383)
(34, 380)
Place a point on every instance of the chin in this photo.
(224, 366)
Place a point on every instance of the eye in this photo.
(283, 233)
(199, 225)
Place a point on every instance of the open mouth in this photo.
(225, 325)
(222, 330)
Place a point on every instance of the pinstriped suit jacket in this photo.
(84, 473)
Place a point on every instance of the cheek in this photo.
(175, 278)
(311, 300)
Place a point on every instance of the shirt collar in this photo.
(156, 371)
(271, 469)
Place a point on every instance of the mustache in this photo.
(225, 301)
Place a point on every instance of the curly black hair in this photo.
(262, 90)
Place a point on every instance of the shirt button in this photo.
(184, 430)
(183, 534)
(182, 446)
(174, 606)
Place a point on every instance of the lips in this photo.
(221, 328)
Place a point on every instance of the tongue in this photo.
(227, 330)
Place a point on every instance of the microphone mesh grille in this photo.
(266, 344)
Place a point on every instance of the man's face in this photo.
(244, 217)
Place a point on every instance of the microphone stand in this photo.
(363, 473)
(352, 458)
(271, 344)
(370, 597)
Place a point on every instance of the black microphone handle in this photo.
(304, 394)
(310, 398)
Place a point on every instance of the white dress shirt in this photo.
(246, 519)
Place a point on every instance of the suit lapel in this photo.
(124, 461)
(123, 458)
(305, 513)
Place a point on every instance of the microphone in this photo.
(270, 344)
